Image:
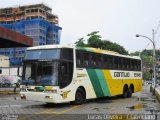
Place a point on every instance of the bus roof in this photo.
(96, 50)
(89, 49)
(49, 47)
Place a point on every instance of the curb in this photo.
(155, 92)
(8, 92)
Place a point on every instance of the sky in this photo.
(116, 20)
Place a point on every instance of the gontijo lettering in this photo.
(121, 74)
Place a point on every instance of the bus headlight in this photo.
(48, 97)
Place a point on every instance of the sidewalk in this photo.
(156, 91)
(9, 90)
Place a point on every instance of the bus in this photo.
(59, 74)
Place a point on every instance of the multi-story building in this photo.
(36, 21)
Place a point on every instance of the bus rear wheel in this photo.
(130, 91)
(125, 92)
(79, 97)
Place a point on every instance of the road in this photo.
(141, 105)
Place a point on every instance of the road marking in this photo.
(49, 111)
(60, 113)
(70, 109)
(23, 118)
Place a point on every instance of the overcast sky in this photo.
(117, 20)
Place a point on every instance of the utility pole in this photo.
(154, 60)
(154, 55)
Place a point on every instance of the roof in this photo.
(9, 38)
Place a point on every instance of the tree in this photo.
(80, 42)
(146, 75)
(95, 40)
(107, 45)
(147, 60)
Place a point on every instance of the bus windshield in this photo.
(40, 73)
(41, 54)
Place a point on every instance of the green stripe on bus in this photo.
(95, 82)
(102, 81)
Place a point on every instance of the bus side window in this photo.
(116, 62)
(78, 62)
(92, 60)
(123, 63)
(85, 59)
(128, 63)
(85, 63)
(139, 65)
(111, 60)
(99, 60)
(134, 65)
(78, 58)
(120, 65)
(105, 61)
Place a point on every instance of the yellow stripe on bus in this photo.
(116, 86)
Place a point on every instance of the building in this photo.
(4, 61)
(36, 21)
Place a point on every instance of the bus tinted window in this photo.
(67, 54)
(103, 61)
(116, 62)
(78, 58)
(92, 59)
(99, 60)
(42, 54)
(85, 59)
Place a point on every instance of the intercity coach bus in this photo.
(58, 74)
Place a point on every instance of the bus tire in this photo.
(125, 92)
(79, 97)
(130, 91)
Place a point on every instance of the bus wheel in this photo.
(79, 97)
(130, 91)
(125, 92)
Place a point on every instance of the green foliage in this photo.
(135, 53)
(146, 75)
(95, 40)
(147, 60)
(147, 52)
(107, 45)
(80, 42)
(147, 56)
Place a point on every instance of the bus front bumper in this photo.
(42, 97)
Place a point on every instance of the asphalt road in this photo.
(141, 106)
